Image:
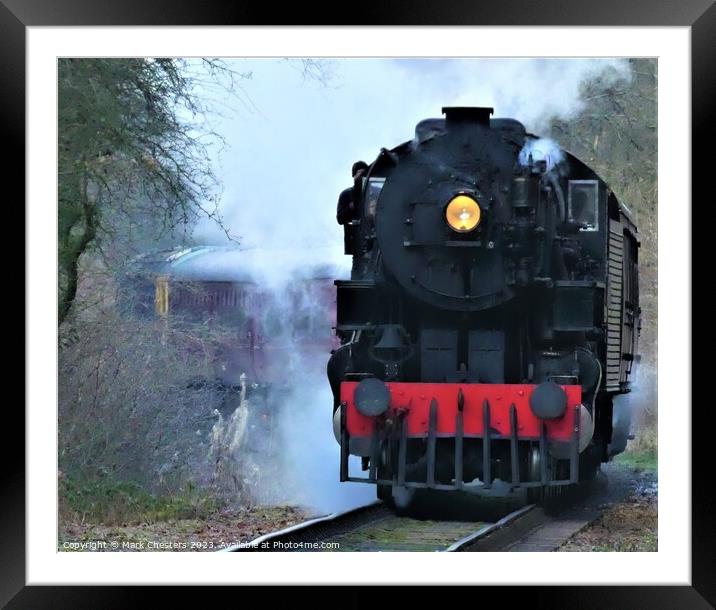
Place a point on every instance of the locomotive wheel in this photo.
(535, 495)
(589, 463)
(404, 500)
(555, 499)
(385, 495)
(588, 470)
(384, 492)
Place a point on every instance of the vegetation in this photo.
(639, 459)
(113, 502)
(204, 532)
(133, 154)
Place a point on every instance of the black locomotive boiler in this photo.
(491, 317)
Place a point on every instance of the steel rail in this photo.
(334, 519)
(488, 529)
(301, 527)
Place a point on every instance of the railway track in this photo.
(376, 528)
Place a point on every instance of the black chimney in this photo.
(468, 114)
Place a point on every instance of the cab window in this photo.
(372, 192)
(583, 199)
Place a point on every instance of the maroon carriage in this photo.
(263, 312)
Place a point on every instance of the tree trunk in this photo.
(71, 265)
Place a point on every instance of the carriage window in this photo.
(372, 192)
(583, 203)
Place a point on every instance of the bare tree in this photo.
(134, 151)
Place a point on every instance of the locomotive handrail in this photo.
(464, 297)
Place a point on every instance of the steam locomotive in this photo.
(491, 318)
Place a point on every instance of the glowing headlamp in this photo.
(463, 213)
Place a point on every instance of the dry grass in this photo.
(135, 434)
(631, 525)
(212, 532)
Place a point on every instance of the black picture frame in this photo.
(700, 15)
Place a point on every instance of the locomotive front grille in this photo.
(395, 438)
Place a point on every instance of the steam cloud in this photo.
(542, 149)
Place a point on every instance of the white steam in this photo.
(643, 401)
(311, 461)
(541, 149)
(307, 467)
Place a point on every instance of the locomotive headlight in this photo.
(463, 213)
